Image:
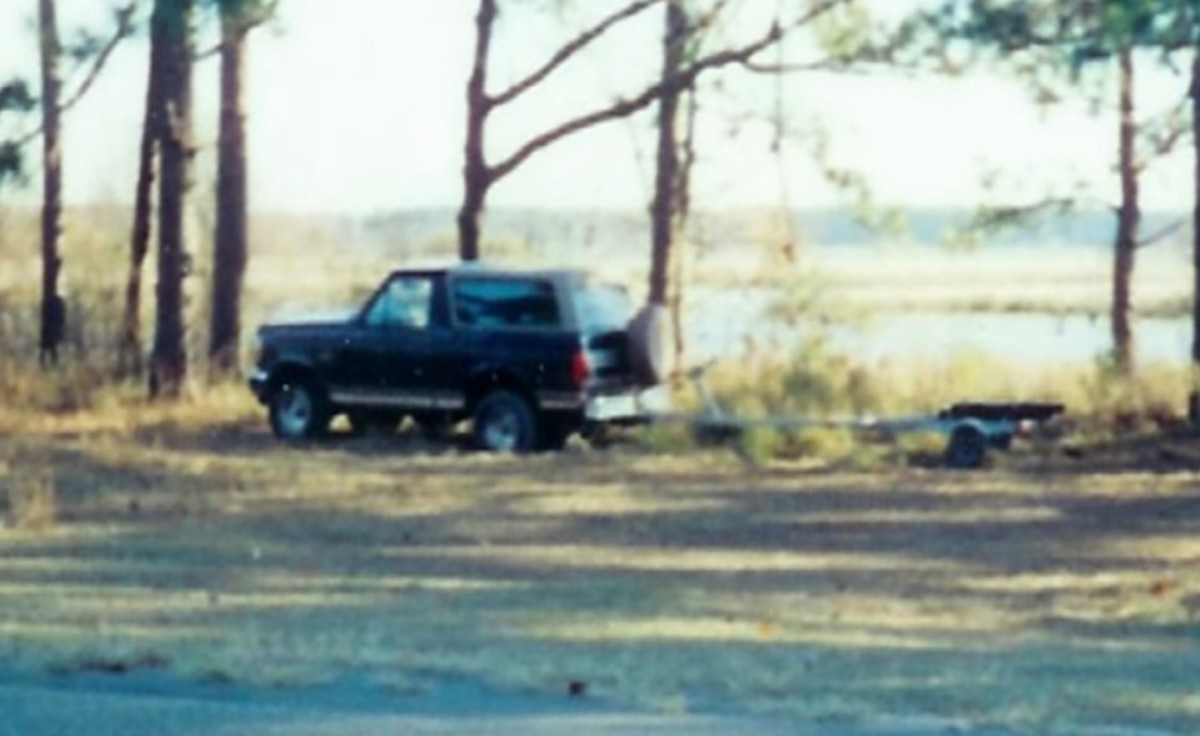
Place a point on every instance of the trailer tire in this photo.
(967, 448)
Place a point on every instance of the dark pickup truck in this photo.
(530, 357)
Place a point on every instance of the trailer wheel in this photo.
(967, 448)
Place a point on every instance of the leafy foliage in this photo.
(15, 97)
(11, 162)
(1068, 31)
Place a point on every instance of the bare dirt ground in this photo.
(1047, 595)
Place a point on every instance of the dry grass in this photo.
(665, 581)
(817, 382)
(29, 498)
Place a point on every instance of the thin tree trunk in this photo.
(1128, 219)
(683, 209)
(477, 177)
(168, 367)
(53, 310)
(130, 357)
(1194, 396)
(665, 206)
(230, 240)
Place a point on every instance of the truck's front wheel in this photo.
(298, 410)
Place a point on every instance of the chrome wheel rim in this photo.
(502, 430)
(294, 411)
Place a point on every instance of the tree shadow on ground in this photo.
(696, 581)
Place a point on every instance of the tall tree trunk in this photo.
(168, 365)
(477, 177)
(665, 207)
(683, 209)
(53, 310)
(230, 240)
(130, 348)
(1194, 396)
(1128, 220)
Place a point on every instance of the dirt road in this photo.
(33, 711)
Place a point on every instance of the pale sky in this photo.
(358, 106)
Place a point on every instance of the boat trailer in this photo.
(971, 428)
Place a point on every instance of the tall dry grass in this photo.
(818, 382)
(297, 261)
(321, 263)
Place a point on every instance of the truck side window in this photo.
(406, 301)
(492, 303)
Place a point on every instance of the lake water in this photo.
(723, 322)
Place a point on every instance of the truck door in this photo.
(395, 349)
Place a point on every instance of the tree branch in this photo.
(686, 78)
(260, 15)
(840, 65)
(569, 50)
(791, 67)
(868, 51)
(848, 63)
(707, 19)
(1010, 216)
(248, 14)
(124, 30)
(1161, 234)
(1162, 134)
(209, 53)
(248, 20)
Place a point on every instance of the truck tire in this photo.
(299, 410)
(650, 345)
(504, 422)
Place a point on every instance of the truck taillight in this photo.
(580, 370)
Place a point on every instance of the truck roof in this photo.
(494, 269)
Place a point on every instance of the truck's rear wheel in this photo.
(504, 422)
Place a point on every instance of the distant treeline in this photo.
(545, 232)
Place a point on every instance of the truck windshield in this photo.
(603, 307)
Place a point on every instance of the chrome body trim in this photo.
(399, 399)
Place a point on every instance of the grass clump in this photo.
(829, 444)
(667, 438)
(1113, 403)
(813, 380)
(31, 499)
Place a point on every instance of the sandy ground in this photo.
(1047, 595)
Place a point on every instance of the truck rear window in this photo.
(603, 307)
